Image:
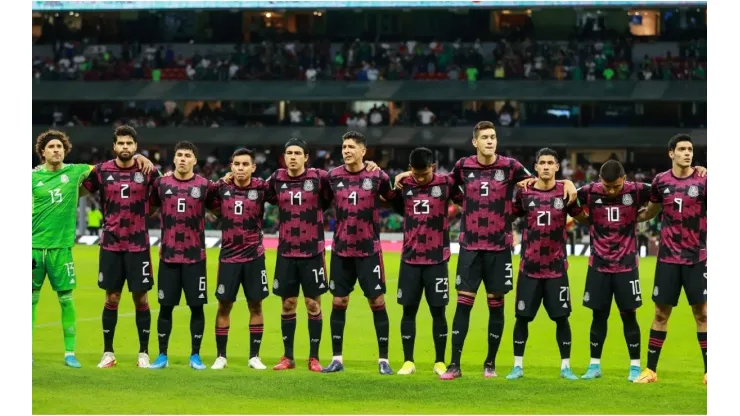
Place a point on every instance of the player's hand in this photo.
(570, 191)
(397, 180)
(210, 217)
(371, 166)
(525, 183)
(228, 178)
(641, 214)
(145, 165)
(701, 170)
(170, 173)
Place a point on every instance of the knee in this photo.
(561, 321)
(409, 313)
(113, 298)
(165, 312)
(224, 308)
(523, 320)
(197, 312)
(255, 308)
(140, 299)
(662, 315)
(35, 295)
(290, 305)
(313, 305)
(437, 312)
(628, 316)
(700, 314)
(65, 298)
(340, 302)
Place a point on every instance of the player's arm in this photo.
(326, 195)
(154, 201)
(652, 210)
(518, 205)
(701, 170)
(578, 213)
(398, 204)
(213, 198)
(456, 194)
(270, 189)
(385, 191)
(145, 165)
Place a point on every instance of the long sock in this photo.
(164, 327)
(337, 321)
(382, 331)
(564, 337)
(631, 334)
(143, 326)
(655, 344)
(110, 319)
(460, 325)
(521, 333)
(197, 327)
(439, 332)
(69, 320)
(495, 328)
(702, 336)
(315, 326)
(287, 327)
(255, 339)
(408, 331)
(599, 327)
(35, 294)
(222, 338)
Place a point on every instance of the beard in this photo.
(125, 158)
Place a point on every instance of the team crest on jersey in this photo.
(161, 294)
(520, 306)
(436, 191)
(693, 191)
(100, 277)
(586, 297)
(627, 199)
(138, 177)
(367, 184)
(275, 284)
(400, 293)
(498, 175)
(252, 195)
(308, 186)
(65, 178)
(558, 203)
(221, 289)
(331, 285)
(458, 280)
(195, 192)
(656, 292)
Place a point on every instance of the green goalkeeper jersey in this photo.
(55, 196)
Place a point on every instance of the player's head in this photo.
(242, 164)
(124, 143)
(681, 150)
(52, 146)
(353, 147)
(186, 156)
(484, 138)
(547, 163)
(421, 164)
(612, 177)
(296, 154)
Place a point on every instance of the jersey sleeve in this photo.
(574, 210)
(518, 205)
(519, 172)
(655, 197)
(456, 193)
(643, 193)
(213, 197)
(270, 190)
(583, 192)
(154, 199)
(384, 189)
(92, 182)
(326, 195)
(398, 204)
(456, 173)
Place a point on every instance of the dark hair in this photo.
(187, 146)
(297, 142)
(358, 137)
(611, 170)
(49, 135)
(482, 125)
(124, 131)
(546, 151)
(677, 139)
(241, 152)
(421, 158)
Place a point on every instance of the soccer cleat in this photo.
(384, 368)
(314, 365)
(634, 373)
(516, 373)
(647, 376)
(71, 361)
(196, 363)
(284, 364)
(108, 360)
(160, 362)
(439, 368)
(594, 371)
(407, 368)
(567, 374)
(219, 364)
(453, 372)
(143, 361)
(334, 366)
(256, 363)
(489, 371)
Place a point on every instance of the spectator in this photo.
(426, 117)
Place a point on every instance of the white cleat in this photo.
(256, 363)
(143, 361)
(220, 364)
(108, 360)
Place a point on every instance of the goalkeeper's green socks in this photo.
(69, 320)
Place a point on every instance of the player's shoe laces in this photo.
(196, 363)
(407, 368)
(284, 364)
(567, 374)
(634, 373)
(453, 372)
(489, 371)
(160, 362)
(256, 363)
(108, 360)
(516, 373)
(219, 364)
(71, 361)
(594, 371)
(384, 368)
(333, 367)
(647, 376)
(439, 368)
(314, 365)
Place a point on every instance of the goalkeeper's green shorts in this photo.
(57, 263)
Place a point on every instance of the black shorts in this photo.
(293, 274)
(601, 287)
(119, 267)
(251, 276)
(175, 278)
(531, 292)
(669, 278)
(346, 271)
(493, 268)
(431, 280)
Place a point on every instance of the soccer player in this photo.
(681, 194)
(182, 199)
(356, 254)
(543, 271)
(423, 202)
(242, 258)
(124, 253)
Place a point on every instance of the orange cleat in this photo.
(284, 364)
(314, 365)
(647, 376)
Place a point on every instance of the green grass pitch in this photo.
(126, 389)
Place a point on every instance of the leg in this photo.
(337, 322)
(35, 295)
(408, 331)
(38, 275)
(69, 321)
(110, 318)
(143, 320)
(632, 335)
(439, 332)
(658, 333)
(529, 297)
(164, 327)
(564, 338)
(599, 326)
(460, 325)
(288, 325)
(197, 327)
(521, 333)
(256, 327)
(380, 320)
(223, 321)
(410, 291)
(315, 324)
(498, 282)
(700, 315)
(495, 326)
(343, 279)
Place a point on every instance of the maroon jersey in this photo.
(241, 220)
(613, 225)
(426, 236)
(124, 199)
(486, 208)
(183, 208)
(301, 202)
(683, 236)
(357, 209)
(545, 213)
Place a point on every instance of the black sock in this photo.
(631, 333)
(164, 327)
(287, 327)
(439, 332)
(408, 331)
(315, 324)
(143, 326)
(110, 318)
(521, 333)
(337, 321)
(222, 338)
(255, 339)
(655, 344)
(563, 336)
(702, 336)
(495, 328)
(380, 319)
(197, 327)
(460, 324)
(599, 327)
